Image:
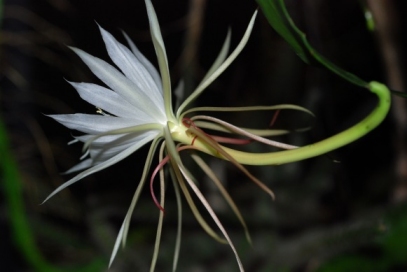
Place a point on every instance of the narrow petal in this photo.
(122, 236)
(108, 101)
(116, 244)
(215, 74)
(94, 124)
(102, 154)
(131, 67)
(212, 214)
(179, 223)
(101, 166)
(147, 64)
(122, 85)
(161, 56)
(80, 166)
(99, 141)
(108, 150)
(221, 57)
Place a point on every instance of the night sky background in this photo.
(327, 216)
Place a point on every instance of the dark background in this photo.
(347, 216)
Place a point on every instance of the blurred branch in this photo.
(386, 20)
(187, 62)
(50, 31)
(194, 31)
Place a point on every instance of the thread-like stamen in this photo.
(212, 143)
(240, 131)
(158, 168)
(189, 123)
(274, 119)
(160, 165)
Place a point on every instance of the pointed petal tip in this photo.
(77, 51)
(73, 48)
(47, 198)
(102, 30)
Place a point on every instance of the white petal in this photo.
(212, 214)
(108, 101)
(106, 151)
(219, 68)
(122, 236)
(80, 166)
(93, 124)
(221, 57)
(147, 64)
(99, 141)
(116, 244)
(161, 56)
(131, 67)
(101, 166)
(122, 85)
(103, 154)
(113, 140)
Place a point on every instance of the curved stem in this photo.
(341, 139)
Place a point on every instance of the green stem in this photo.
(341, 139)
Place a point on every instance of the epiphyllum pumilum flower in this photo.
(136, 109)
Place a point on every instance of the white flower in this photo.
(136, 109)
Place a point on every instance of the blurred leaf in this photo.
(395, 241)
(392, 244)
(278, 17)
(14, 200)
(22, 233)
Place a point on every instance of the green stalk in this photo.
(341, 139)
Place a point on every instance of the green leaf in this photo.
(279, 18)
(22, 233)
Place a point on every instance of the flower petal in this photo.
(108, 101)
(131, 67)
(103, 152)
(94, 124)
(80, 166)
(102, 165)
(122, 85)
(221, 57)
(99, 141)
(161, 57)
(146, 63)
(220, 68)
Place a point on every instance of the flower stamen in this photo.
(274, 119)
(160, 165)
(158, 168)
